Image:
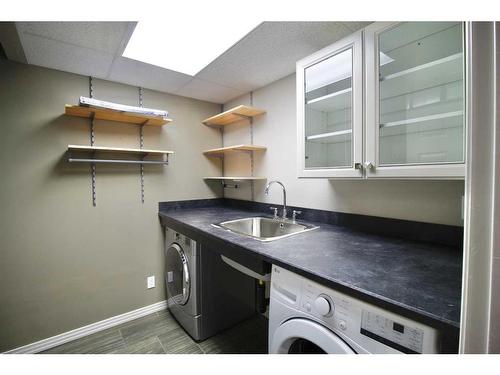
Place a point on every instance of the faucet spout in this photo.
(266, 191)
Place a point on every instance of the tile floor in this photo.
(159, 333)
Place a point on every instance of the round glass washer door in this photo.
(305, 336)
(177, 274)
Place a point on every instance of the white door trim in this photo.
(480, 185)
(77, 333)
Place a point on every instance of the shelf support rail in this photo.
(141, 143)
(252, 189)
(92, 141)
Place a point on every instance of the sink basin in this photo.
(265, 229)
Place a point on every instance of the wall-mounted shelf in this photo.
(94, 109)
(118, 150)
(113, 115)
(136, 151)
(219, 152)
(233, 115)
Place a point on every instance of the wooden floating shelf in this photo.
(118, 116)
(134, 151)
(219, 152)
(224, 178)
(233, 115)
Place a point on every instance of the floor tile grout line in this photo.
(128, 348)
(161, 344)
(199, 346)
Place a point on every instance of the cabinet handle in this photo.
(369, 165)
(358, 166)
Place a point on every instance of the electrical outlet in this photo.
(151, 282)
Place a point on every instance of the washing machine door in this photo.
(297, 336)
(177, 275)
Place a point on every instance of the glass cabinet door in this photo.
(415, 100)
(329, 111)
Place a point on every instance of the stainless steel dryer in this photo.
(204, 294)
(182, 263)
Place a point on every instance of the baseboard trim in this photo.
(65, 337)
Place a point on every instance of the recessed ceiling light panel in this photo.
(182, 46)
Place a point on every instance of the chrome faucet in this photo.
(266, 191)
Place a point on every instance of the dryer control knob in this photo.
(323, 306)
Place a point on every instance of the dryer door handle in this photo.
(178, 263)
(186, 282)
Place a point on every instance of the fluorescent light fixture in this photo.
(185, 47)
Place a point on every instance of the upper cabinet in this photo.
(414, 104)
(415, 100)
(330, 111)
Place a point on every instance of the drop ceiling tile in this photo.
(137, 73)
(355, 26)
(101, 36)
(208, 91)
(270, 51)
(66, 57)
(265, 55)
(9, 38)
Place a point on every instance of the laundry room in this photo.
(223, 184)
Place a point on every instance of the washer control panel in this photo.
(389, 332)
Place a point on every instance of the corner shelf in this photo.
(219, 152)
(241, 112)
(233, 115)
(113, 115)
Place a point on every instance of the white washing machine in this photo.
(306, 317)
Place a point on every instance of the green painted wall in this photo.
(63, 263)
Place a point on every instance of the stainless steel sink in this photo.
(265, 229)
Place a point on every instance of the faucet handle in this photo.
(295, 213)
(275, 211)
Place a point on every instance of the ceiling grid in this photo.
(266, 54)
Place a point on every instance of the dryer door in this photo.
(177, 275)
(297, 336)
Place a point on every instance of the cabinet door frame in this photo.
(445, 171)
(354, 41)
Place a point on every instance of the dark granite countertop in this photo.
(417, 279)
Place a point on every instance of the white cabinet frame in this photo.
(447, 171)
(354, 41)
